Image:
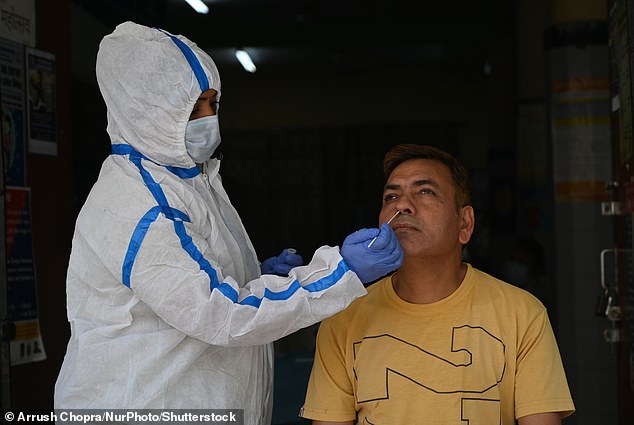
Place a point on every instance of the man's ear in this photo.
(467, 223)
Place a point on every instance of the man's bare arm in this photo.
(552, 418)
(333, 423)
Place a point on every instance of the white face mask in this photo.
(202, 137)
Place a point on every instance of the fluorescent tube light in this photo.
(245, 60)
(198, 6)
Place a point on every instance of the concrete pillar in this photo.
(577, 87)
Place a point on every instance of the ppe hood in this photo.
(150, 89)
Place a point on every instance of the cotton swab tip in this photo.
(388, 222)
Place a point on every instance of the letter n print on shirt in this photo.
(473, 363)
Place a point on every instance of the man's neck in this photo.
(424, 281)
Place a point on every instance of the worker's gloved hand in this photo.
(282, 264)
(384, 256)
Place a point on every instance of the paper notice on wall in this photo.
(17, 21)
(26, 345)
(42, 103)
(12, 112)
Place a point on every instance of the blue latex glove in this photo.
(282, 264)
(385, 254)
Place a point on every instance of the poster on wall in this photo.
(12, 112)
(17, 21)
(42, 106)
(27, 345)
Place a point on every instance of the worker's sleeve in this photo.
(540, 382)
(213, 307)
(330, 394)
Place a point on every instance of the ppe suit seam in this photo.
(190, 56)
(173, 214)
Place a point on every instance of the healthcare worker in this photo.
(166, 302)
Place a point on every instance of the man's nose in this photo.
(405, 205)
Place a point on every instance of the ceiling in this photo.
(341, 35)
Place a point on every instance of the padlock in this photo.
(604, 302)
(612, 309)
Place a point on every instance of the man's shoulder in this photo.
(361, 305)
(511, 294)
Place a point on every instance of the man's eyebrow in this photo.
(391, 186)
(425, 182)
(421, 182)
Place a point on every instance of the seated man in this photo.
(438, 341)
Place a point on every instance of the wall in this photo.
(50, 180)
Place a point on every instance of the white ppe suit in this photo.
(166, 304)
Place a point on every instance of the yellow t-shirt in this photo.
(484, 355)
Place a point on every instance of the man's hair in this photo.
(408, 151)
